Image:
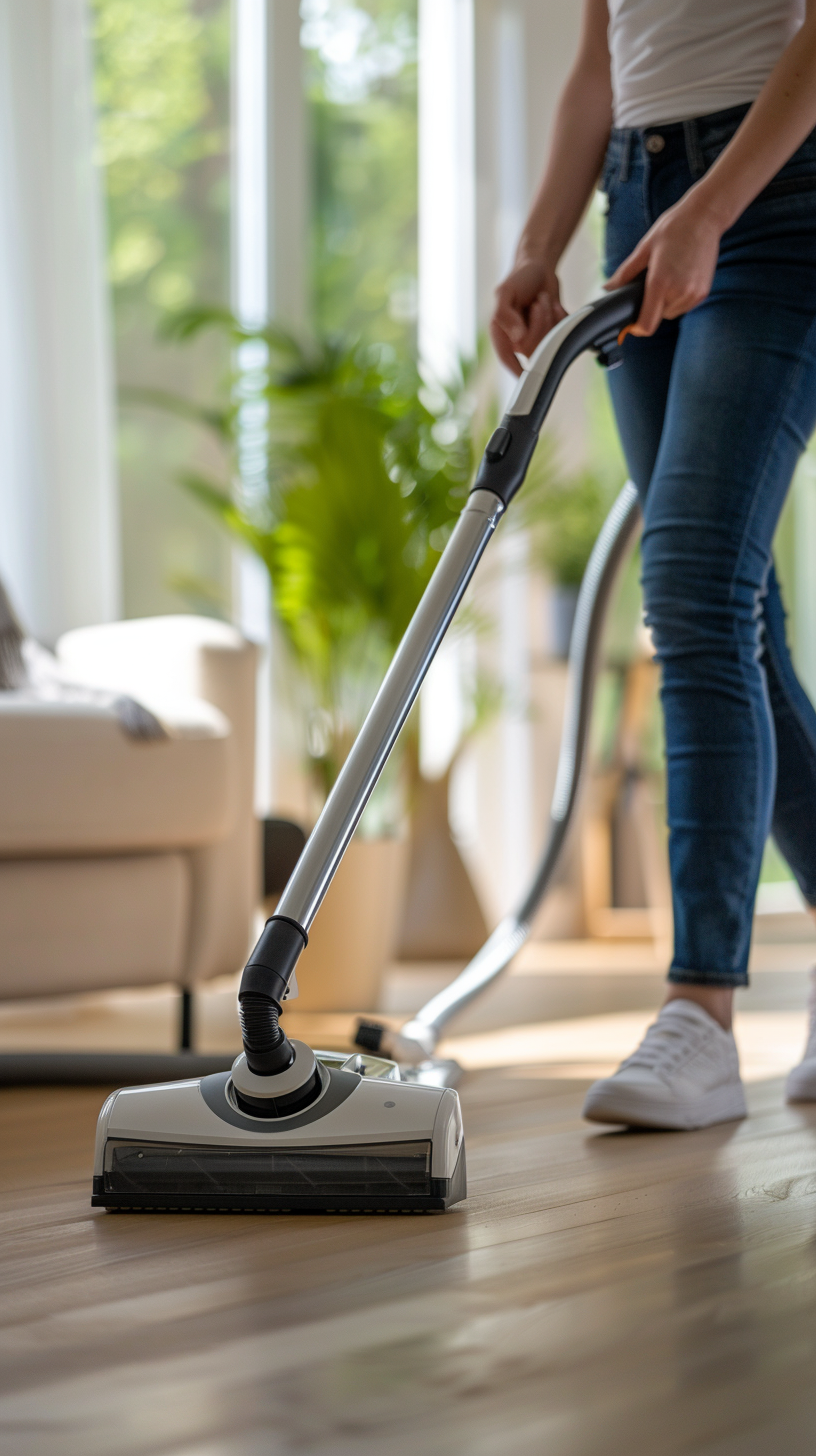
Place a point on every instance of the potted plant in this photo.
(362, 473)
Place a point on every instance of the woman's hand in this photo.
(527, 306)
(528, 302)
(680, 255)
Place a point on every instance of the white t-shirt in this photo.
(674, 59)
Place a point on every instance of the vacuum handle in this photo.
(596, 326)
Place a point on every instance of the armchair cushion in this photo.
(157, 657)
(86, 924)
(73, 782)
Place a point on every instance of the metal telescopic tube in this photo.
(418, 1039)
(302, 897)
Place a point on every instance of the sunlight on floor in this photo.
(559, 1000)
(591, 1046)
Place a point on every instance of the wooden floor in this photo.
(599, 1292)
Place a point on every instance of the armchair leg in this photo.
(186, 1021)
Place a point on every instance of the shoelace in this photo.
(667, 1045)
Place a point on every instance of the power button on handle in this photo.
(498, 444)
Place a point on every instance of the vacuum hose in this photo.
(417, 1040)
(263, 992)
(266, 1044)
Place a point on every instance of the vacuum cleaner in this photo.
(289, 1129)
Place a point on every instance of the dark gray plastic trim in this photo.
(341, 1085)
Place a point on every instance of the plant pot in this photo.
(564, 601)
(352, 938)
(442, 918)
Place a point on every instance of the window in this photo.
(361, 89)
(162, 87)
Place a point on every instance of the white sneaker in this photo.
(684, 1074)
(801, 1083)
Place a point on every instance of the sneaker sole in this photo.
(630, 1108)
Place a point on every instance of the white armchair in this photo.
(126, 862)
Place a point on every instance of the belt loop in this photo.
(694, 152)
(626, 152)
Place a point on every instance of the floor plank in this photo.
(598, 1292)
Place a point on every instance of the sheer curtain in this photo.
(59, 551)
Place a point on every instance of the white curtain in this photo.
(447, 185)
(59, 552)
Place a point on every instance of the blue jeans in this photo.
(713, 413)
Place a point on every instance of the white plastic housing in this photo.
(377, 1111)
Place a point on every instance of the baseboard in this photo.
(111, 1069)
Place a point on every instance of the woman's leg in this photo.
(640, 392)
(741, 404)
(794, 813)
(738, 408)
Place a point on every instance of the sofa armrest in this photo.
(152, 659)
(72, 782)
(155, 657)
(159, 659)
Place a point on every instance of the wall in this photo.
(502, 785)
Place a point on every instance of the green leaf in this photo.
(220, 421)
(366, 472)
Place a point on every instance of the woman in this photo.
(700, 116)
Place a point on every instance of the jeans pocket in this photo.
(798, 173)
(712, 149)
(714, 132)
(788, 186)
(714, 141)
(610, 172)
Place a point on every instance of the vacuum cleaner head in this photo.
(366, 1142)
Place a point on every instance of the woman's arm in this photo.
(528, 302)
(680, 251)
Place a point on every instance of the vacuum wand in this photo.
(415, 1042)
(504, 466)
